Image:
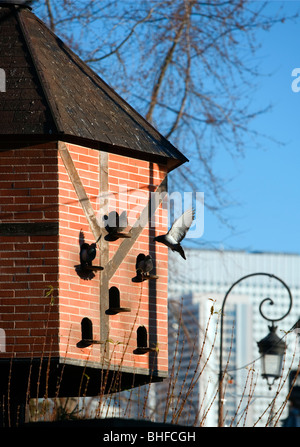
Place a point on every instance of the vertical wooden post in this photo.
(135, 231)
(104, 257)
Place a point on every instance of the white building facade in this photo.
(201, 283)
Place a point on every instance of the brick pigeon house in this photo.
(72, 153)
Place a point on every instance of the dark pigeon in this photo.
(115, 224)
(145, 265)
(177, 232)
(88, 253)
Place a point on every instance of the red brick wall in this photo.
(79, 298)
(28, 264)
(148, 302)
(35, 187)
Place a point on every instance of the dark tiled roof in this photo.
(51, 91)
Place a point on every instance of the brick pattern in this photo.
(35, 187)
(130, 182)
(28, 264)
(79, 297)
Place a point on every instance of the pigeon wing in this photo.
(181, 225)
(81, 238)
(140, 261)
(84, 251)
(148, 264)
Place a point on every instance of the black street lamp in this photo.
(272, 350)
(271, 347)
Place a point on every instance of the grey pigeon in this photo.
(177, 232)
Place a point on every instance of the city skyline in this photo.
(203, 281)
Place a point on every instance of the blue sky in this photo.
(265, 185)
(266, 182)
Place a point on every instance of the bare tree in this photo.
(186, 65)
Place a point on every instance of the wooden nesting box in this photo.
(72, 152)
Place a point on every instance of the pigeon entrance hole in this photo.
(86, 334)
(114, 302)
(142, 344)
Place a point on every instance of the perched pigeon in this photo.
(177, 232)
(88, 253)
(115, 224)
(144, 264)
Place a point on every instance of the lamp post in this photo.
(271, 347)
(272, 350)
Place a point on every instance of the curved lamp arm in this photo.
(269, 300)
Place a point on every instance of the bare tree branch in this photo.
(186, 65)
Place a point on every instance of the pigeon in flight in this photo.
(88, 253)
(177, 232)
(115, 224)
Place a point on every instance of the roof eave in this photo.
(25, 140)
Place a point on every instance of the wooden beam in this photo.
(104, 258)
(29, 229)
(95, 229)
(135, 231)
(79, 189)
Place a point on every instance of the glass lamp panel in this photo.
(272, 365)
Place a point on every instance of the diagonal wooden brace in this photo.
(79, 189)
(136, 230)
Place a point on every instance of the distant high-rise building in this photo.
(200, 283)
